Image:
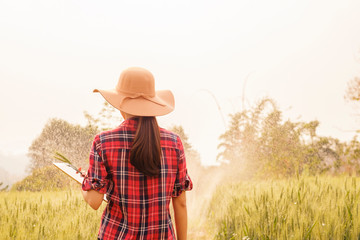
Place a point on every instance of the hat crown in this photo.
(136, 80)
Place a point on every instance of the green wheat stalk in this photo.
(61, 157)
(64, 159)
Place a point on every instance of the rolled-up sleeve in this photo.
(183, 181)
(96, 177)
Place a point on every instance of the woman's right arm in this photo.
(180, 211)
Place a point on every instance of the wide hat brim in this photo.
(161, 104)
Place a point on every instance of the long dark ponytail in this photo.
(146, 150)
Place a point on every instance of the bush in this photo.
(46, 178)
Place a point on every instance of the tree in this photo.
(351, 151)
(61, 136)
(351, 157)
(108, 118)
(279, 147)
(199, 175)
(352, 93)
(71, 140)
(192, 156)
(44, 179)
(353, 90)
(259, 143)
(240, 144)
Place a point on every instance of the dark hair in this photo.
(146, 150)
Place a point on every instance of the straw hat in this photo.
(135, 94)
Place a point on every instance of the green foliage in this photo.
(259, 143)
(191, 154)
(60, 136)
(108, 118)
(353, 90)
(350, 157)
(195, 169)
(179, 130)
(296, 208)
(44, 179)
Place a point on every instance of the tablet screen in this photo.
(70, 170)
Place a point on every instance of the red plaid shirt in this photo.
(138, 206)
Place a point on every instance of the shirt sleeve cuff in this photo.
(95, 184)
(186, 185)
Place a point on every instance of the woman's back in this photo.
(138, 205)
(138, 165)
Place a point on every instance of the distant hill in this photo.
(12, 168)
(14, 163)
(8, 179)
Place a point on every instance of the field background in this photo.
(297, 208)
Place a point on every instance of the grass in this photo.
(305, 208)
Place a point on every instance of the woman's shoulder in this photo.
(170, 138)
(168, 133)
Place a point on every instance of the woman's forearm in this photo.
(93, 198)
(180, 212)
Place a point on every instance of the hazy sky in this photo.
(300, 53)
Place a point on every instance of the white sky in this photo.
(300, 53)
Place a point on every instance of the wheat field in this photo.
(305, 208)
(47, 215)
(299, 208)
